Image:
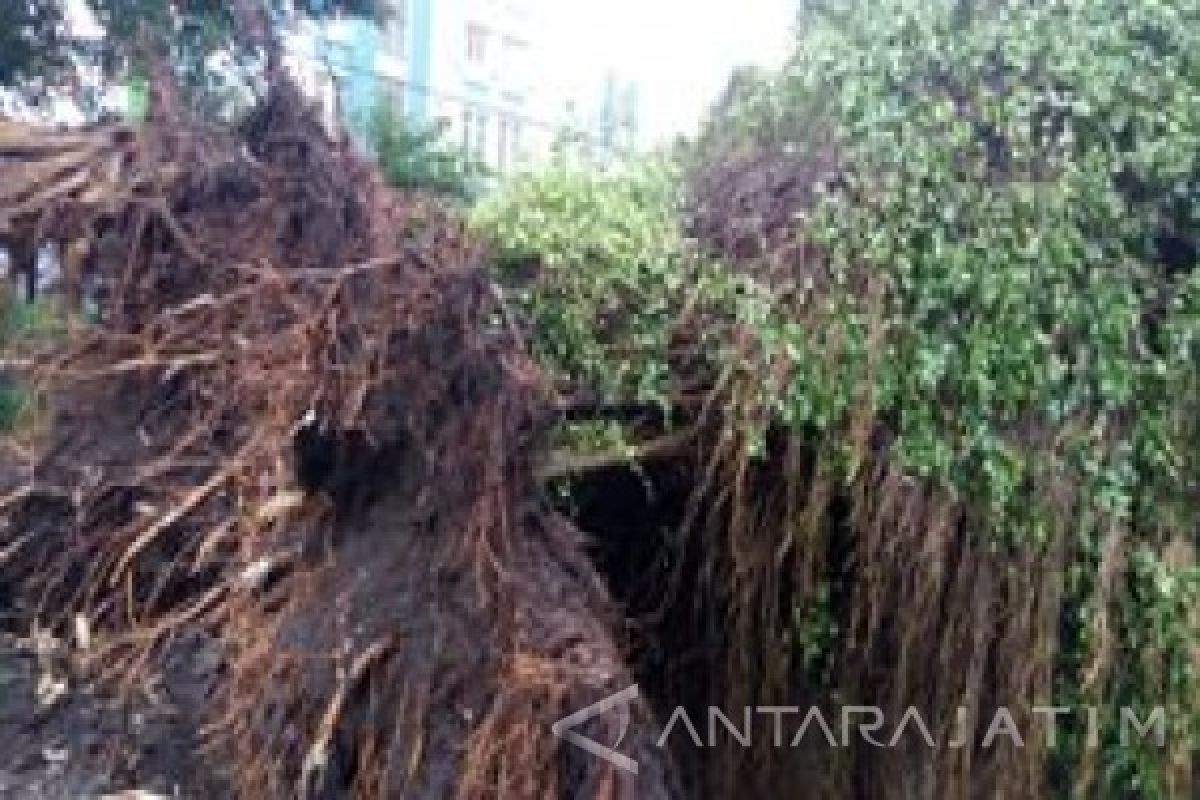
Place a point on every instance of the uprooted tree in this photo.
(217, 55)
(300, 425)
(934, 383)
(888, 398)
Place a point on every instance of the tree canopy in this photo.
(37, 49)
(962, 244)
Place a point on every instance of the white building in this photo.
(467, 66)
(463, 65)
(482, 83)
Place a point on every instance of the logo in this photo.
(867, 723)
(564, 728)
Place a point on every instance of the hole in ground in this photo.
(673, 635)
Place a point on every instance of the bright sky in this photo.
(81, 21)
(679, 52)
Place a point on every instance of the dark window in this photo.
(477, 37)
(397, 28)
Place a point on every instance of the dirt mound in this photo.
(301, 423)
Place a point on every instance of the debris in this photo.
(83, 632)
(55, 755)
(279, 505)
(255, 575)
(50, 689)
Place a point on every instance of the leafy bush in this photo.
(14, 402)
(1012, 194)
(596, 265)
(971, 230)
(22, 323)
(415, 157)
(998, 245)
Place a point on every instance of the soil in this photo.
(84, 744)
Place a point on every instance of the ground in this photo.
(80, 744)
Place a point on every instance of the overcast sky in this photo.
(679, 52)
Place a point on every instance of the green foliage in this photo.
(217, 48)
(1163, 601)
(987, 182)
(593, 437)
(1001, 267)
(415, 157)
(14, 403)
(22, 324)
(1021, 183)
(813, 636)
(595, 263)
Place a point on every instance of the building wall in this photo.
(351, 65)
(465, 65)
(420, 60)
(481, 76)
(461, 64)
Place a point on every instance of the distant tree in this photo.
(416, 156)
(36, 50)
(208, 48)
(31, 40)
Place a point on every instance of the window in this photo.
(503, 142)
(475, 124)
(481, 126)
(508, 136)
(396, 28)
(514, 52)
(393, 94)
(477, 37)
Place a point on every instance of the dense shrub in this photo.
(999, 229)
(413, 156)
(595, 263)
